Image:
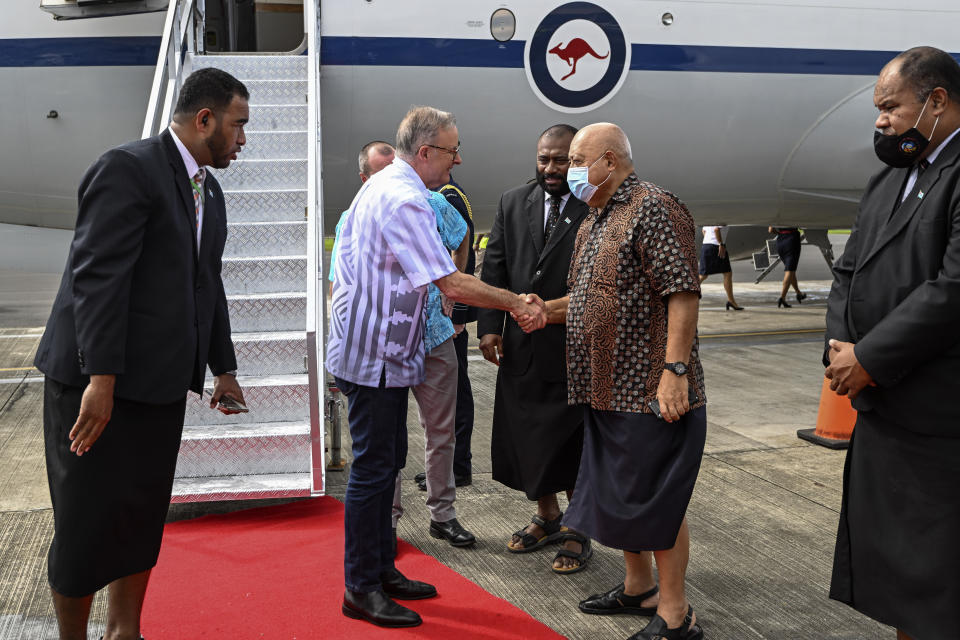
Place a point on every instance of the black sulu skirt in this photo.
(711, 262)
(636, 478)
(788, 248)
(110, 504)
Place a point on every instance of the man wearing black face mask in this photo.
(893, 347)
(537, 437)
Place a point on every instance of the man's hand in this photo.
(446, 305)
(226, 385)
(673, 396)
(96, 407)
(722, 251)
(491, 345)
(846, 375)
(530, 313)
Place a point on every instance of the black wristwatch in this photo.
(677, 368)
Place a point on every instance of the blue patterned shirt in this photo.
(389, 251)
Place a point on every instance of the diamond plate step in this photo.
(271, 354)
(268, 312)
(266, 206)
(276, 117)
(249, 239)
(277, 91)
(275, 145)
(270, 399)
(241, 487)
(273, 447)
(264, 175)
(273, 274)
(279, 67)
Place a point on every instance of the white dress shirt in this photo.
(912, 180)
(546, 206)
(192, 168)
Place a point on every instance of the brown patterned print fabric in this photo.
(626, 260)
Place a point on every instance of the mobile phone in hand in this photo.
(227, 404)
(654, 404)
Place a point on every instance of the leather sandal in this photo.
(616, 602)
(586, 550)
(657, 629)
(530, 542)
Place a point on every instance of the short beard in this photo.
(561, 190)
(220, 159)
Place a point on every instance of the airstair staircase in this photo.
(272, 280)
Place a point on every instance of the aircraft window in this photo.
(503, 24)
(667, 19)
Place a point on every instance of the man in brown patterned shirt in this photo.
(631, 318)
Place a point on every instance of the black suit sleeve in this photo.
(495, 274)
(222, 357)
(111, 221)
(839, 293)
(923, 325)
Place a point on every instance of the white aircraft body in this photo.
(754, 113)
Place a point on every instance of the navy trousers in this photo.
(378, 427)
(462, 465)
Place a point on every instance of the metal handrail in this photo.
(183, 31)
(316, 291)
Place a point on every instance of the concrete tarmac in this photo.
(762, 519)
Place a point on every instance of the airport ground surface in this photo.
(762, 519)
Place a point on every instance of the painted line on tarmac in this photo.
(20, 369)
(22, 335)
(21, 380)
(762, 333)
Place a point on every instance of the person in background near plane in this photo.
(462, 316)
(537, 436)
(634, 266)
(437, 395)
(893, 348)
(140, 314)
(480, 250)
(374, 156)
(375, 350)
(788, 250)
(714, 259)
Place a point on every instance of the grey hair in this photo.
(381, 147)
(420, 126)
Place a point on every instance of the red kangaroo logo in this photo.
(571, 54)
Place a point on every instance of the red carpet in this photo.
(277, 572)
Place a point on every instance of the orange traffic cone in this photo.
(835, 420)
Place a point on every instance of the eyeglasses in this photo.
(452, 152)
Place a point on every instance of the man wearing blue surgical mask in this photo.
(637, 378)
(892, 347)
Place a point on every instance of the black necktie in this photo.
(552, 218)
(921, 167)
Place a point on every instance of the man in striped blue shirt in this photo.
(389, 251)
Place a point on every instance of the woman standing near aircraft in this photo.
(788, 248)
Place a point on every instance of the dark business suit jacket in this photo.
(136, 300)
(896, 294)
(516, 259)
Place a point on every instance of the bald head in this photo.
(605, 149)
(605, 136)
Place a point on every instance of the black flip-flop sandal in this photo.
(586, 551)
(530, 542)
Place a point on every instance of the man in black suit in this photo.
(140, 314)
(893, 347)
(537, 436)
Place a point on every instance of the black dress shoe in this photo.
(614, 601)
(463, 481)
(420, 477)
(377, 608)
(396, 585)
(452, 532)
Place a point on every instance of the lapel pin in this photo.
(920, 196)
(567, 220)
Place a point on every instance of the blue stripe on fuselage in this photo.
(117, 51)
(461, 53)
